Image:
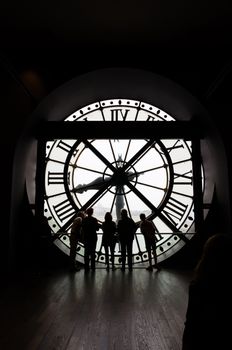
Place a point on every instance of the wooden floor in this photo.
(101, 311)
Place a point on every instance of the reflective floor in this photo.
(100, 310)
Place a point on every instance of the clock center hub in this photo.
(120, 178)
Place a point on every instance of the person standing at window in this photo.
(74, 237)
(90, 226)
(126, 231)
(109, 238)
(148, 230)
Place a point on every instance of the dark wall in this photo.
(16, 107)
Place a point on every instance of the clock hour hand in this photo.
(98, 183)
(94, 185)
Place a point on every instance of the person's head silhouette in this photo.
(215, 259)
(89, 211)
(124, 213)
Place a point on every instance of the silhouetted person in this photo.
(208, 316)
(74, 237)
(109, 238)
(148, 230)
(90, 227)
(126, 231)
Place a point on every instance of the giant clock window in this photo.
(153, 176)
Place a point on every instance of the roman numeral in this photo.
(57, 178)
(150, 117)
(175, 210)
(175, 146)
(64, 146)
(187, 180)
(158, 236)
(64, 210)
(118, 114)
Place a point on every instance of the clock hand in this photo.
(94, 185)
(98, 182)
(132, 175)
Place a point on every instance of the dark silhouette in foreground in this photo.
(208, 316)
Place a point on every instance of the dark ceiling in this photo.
(187, 42)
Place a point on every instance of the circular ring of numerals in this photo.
(141, 175)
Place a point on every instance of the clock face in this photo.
(141, 175)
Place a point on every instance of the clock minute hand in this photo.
(131, 175)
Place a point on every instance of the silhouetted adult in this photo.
(148, 230)
(90, 226)
(109, 238)
(126, 231)
(74, 237)
(208, 316)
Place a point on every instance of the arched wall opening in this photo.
(120, 83)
